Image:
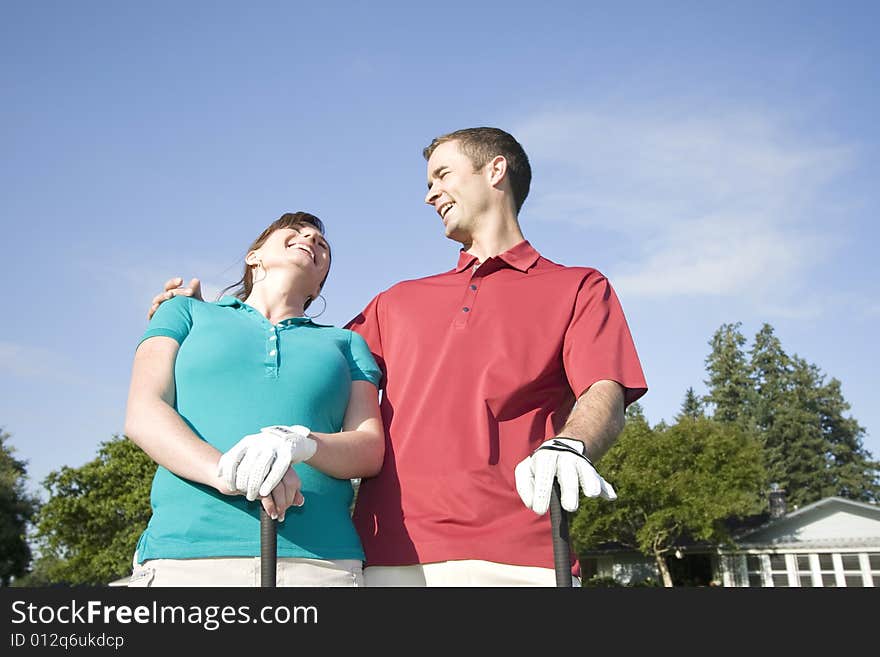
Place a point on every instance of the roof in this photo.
(832, 522)
(743, 528)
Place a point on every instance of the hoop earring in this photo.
(321, 297)
(258, 267)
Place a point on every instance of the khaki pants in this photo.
(461, 573)
(245, 571)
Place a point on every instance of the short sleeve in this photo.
(172, 319)
(361, 362)
(367, 326)
(598, 344)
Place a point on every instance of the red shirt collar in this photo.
(521, 256)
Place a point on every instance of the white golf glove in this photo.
(564, 460)
(257, 462)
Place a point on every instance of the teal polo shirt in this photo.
(236, 372)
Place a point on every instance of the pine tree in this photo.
(810, 446)
(793, 445)
(730, 389)
(852, 472)
(691, 407)
(770, 374)
(635, 413)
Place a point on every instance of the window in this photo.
(804, 570)
(826, 568)
(873, 566)
(850, 562)
(780, 580)
(829, 569)
(753, 565)
(852, 570)
(778, 570)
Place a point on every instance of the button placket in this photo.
(469, 299)
(272, 349)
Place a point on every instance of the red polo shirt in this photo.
(482, 364)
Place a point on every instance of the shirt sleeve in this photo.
(172, 319)
(598, 344)
(367, 326)
(361, 362)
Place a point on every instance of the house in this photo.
(833, 542)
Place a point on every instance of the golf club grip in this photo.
(561, 550)
(268, 550)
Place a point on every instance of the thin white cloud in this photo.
(29, 362)
(855, 305)
(716, 255)
(148, 282)
(719, 204)
(141, 282)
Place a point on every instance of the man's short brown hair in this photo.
(481, 145)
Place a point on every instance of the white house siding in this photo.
(831, 543)
(801, 568)
(626, 569)
(829, 525)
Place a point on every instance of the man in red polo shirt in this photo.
(500, 375)
(482, 365)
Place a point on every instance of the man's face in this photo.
(458, 194)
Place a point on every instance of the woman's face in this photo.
(302, 247)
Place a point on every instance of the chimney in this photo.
(777, 501)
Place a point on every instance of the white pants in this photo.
(245, 571)
(467, 572)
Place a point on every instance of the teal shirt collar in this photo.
(234, 302)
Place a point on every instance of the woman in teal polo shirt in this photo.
(252, 377)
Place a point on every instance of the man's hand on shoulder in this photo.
(174, 287)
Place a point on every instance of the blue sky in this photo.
(717, 161)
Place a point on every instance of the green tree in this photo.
(676, 484)
(730, 389)
(635, 414)
(851, 471)
(17, 508)
(770, 371)
(782, 413)
(88, 530)
(796, 450)
(692, 407)
(810, 446)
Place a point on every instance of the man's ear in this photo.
(497, 169)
